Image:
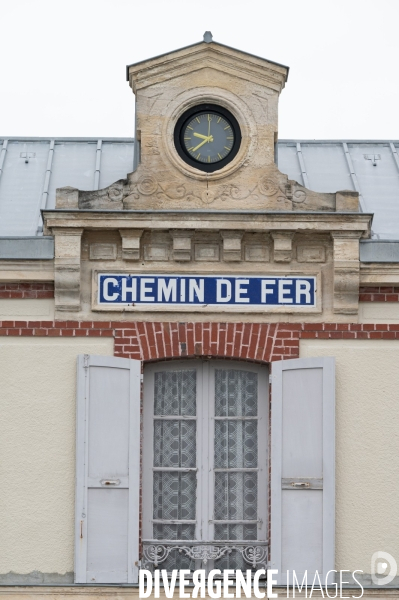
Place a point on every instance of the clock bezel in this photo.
(187, 116)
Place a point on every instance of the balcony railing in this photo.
(155, 552)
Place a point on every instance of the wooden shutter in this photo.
(303, 467)
(107, 470)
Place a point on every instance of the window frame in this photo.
(205, 418)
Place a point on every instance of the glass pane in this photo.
(173, 532)
(236, 496)
(175, 393)
(236, 444)
(174, 495)
(236, 393)
(175, 443)
(226, 531)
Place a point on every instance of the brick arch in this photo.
(259, 342)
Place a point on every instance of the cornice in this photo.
(379, 274)
(210, 220)
(27, 270)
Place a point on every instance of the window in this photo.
(205, 467)
(205, 464)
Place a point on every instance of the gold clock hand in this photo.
(201, 144)
(199, 135)
(209, 125)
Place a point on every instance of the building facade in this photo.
(198, 357)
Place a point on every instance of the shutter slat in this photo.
(303, 467)
(107, 470)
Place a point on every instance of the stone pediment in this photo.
(143, 190)
(220, 57)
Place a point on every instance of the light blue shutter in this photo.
(303, 467)
(107, 470)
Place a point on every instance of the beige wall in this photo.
(367, 447)
(378, 312)
(37, 449)
(27, 309)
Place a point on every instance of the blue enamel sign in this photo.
(206, 290)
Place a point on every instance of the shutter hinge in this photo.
(86, 361)
(141, 378)
(270, 379)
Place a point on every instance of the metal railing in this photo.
(155, 552)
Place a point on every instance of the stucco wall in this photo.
(40, 309)
(37, 449)
(378, 312)
(367, 447)
(37, 446)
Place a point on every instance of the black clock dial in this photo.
(207, 137)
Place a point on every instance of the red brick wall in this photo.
(26, 290)
(379, 294)
(246, 341)
(46, 290)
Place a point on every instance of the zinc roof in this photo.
(368, 167)
(32, 168)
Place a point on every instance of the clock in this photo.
(207, 137)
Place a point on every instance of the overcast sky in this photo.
(62, 63)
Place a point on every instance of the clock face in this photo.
(207, 137)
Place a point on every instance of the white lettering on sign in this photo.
(132, 289)
(241, 290)
(284, 293)
(145, 289)
(197, 289)
(303, 289)
(223, 290)
(109, 297)
(167, 291)
(266, 289)
(207, 290)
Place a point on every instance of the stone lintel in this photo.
(131, 243)
(379, 274)
(26, 270)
